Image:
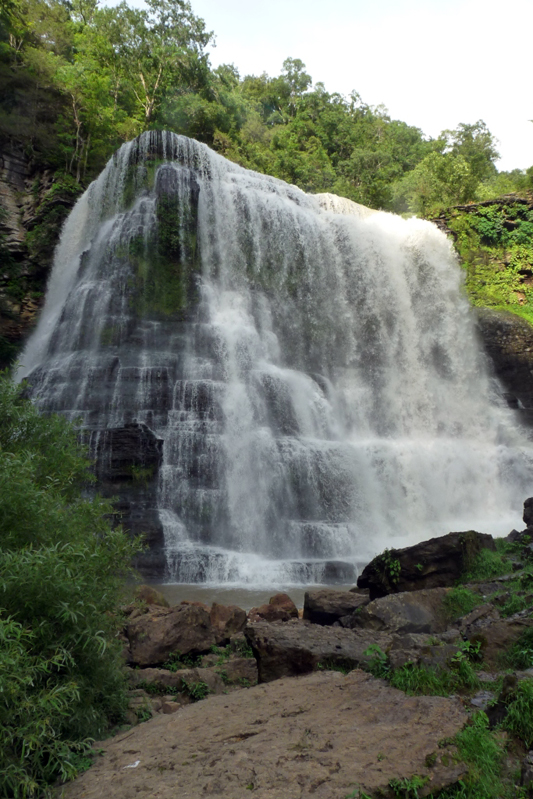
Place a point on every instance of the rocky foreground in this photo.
(289, 707)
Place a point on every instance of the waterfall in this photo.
(308, 369)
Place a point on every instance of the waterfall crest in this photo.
(308, 368)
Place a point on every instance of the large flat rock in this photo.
(321, 736)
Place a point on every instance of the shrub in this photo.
(61, 576)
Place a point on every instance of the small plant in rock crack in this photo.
(177, 661)
(197, 690)
(357, 794)
(378, 664)
(391, 566)
(469, 651)
(408, 789)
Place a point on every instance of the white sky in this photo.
(432, 63)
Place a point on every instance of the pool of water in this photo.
(243, 597)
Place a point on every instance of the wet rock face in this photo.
(127, 461)
(508, 341)
(436, 563)
(27, 206)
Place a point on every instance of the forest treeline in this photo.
(78, 79)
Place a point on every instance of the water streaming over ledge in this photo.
(310, 367)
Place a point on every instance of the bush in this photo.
(61, 575)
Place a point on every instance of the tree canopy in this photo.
(79, 79)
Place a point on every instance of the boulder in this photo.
(280, 608)
(145, 593)
(226, 620)
(163, 631)
(498, 636)
(327, 605)
(437, 563)
(528, 512)
(408, 612)
(286, 650)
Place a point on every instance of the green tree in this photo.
(157, 49)
(61, 576)
(476, 144)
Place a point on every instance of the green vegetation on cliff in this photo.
(61, 577)
(494, 240)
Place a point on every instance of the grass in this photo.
(176, 661)
(483, 752)
(519, 719)
(460, 601)
(488, 565)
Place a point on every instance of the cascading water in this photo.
(310, 367)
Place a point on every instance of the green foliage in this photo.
(407, 788)
(483, 752)
(197, 690)
(422, 680)
(378, 665)
(460, 601)
(519, 718)
(61, 578)
(176, 661)
(242, 648)
(495, 245)
(142, 474)
(388, 569)
(521, 654)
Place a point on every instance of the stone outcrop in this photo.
(185, 629)
(293, 648)
(508, 341)
(26, 245)
(127, 461)
(436, 563)
(408, 612)
(323, 735)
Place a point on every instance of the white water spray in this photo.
(311, 366)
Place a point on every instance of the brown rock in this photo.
(437, 563)
(162, 631)
(240, 671)
(284, 650)
(409, 612)
(170, 707)
(226, 620)
(280, 608)
(499, 636)
(145, 593)
(319, 735)
(328, 605)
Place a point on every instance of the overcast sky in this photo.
(432, 63)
